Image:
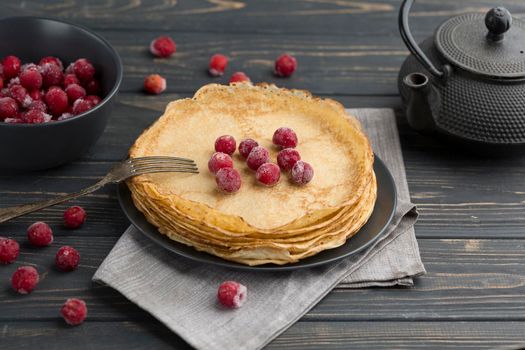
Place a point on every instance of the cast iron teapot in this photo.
(467, 82)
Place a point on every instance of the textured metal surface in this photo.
(462, 41)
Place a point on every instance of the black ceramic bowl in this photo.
(40, 146)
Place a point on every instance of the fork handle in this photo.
(9, 213)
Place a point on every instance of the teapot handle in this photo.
(411, 43)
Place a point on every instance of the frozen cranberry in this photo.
(38, 105)
(70, 79)
(268, 174)
(24, 279)
(302, 173)
(53, 60)
(285, 65)
(74, 311)
(8, 108)
(218, 161)
(13, 121)
(232, 294)
(40, 234)
(285, 137)
(36, 95)
(246, 146)
(35, 116)
(51, 75)
(287, 158)
(74, 217)
(257, 157)
(81, 106)
(19, 93)
(67, 258)
(70, 69)
(163, 47)
(225, 144)
(93, 99)
(9, 250)
(83, 69)
(239, 77)
(92, 87)
(228, 180)
(11, 67)
(56, 100)
(74, 92)
(154, 84)
(31, 79)
(217, 65)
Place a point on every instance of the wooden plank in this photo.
(467, 280)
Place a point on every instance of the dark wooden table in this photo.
(472, 226)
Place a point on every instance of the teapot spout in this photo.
(422, 101)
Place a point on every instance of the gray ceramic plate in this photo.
(381, 217)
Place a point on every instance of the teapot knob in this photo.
(498, 21)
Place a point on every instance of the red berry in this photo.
(67, 258)
(246, 146)
(232, 294)
(81, 106)
(257, 157)
(239, 77)
(25, 279)
(51, 75)
(154, 84)
(287, 158)
(83, 69)
(217, 65)
(11, 67)
(8, 108)
(302, 173)
(56, 100)
(92, 87)
(74, 311)
(38, 105)
(285, 65)
(74, 92)
(19, 93)
(40, 234)
(218, 161)
(268, 174)
(225, 144)
(93, 99)
(70, 79)
(1, 83)
(31, 79)
(285, 137)
(163, 47)
(36, 95)
(53, 60)
(228, 180)
(35, 116)
(74, 217)
(9, 250)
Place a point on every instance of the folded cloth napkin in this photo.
(182, 293)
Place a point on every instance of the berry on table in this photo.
(285, 65)
(31, 79)
(52, 75)
(74, 217)
(217, 65)
(154, 84)
(257, 157)
(74, 311)
(40, 234)
(239, 77)
(74, 92)
(246, 146)
(56, 100)
(219, 160)
(24, 279)
(9, 250)
(268, 174)
(11, 67)
(67, 258)
(302, 173)
(287, 158)
(225, 144)
(228, 180)
(285, 137)
(8, 108)
(232, 294)
(163, 46)
(83, 69)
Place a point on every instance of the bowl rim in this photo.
(114, 90)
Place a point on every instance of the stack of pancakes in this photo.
(257, 225)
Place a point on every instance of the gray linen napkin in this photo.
(182, 293)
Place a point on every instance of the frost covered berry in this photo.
(81, 105)
(74, 92)
(74, 311)
(285, 65)
(239, 77)
(232, 294)
(285, 138)
(268, 174)
(40, 234)
(219, 160)
(74, 217)
(9, 250)
(24, 279)
(56, 100)
(11, 67)
(302, 173)
(154, 84)
(52, 75)
(257, 157)
(225, 144)
(92, 87)
(287, 158)
(70, 79)
(217, 65)
(246, 146)
(35, 116)
(50, 59)
(83, 69)
(67, 258)
(163, 46)
(228, 180)
(8, 108)
(31, 79)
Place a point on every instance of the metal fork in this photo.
(120, 172)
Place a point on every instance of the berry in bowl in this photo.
(58, 82)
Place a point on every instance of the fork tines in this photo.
(159, 164)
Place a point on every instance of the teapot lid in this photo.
(497, 53)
